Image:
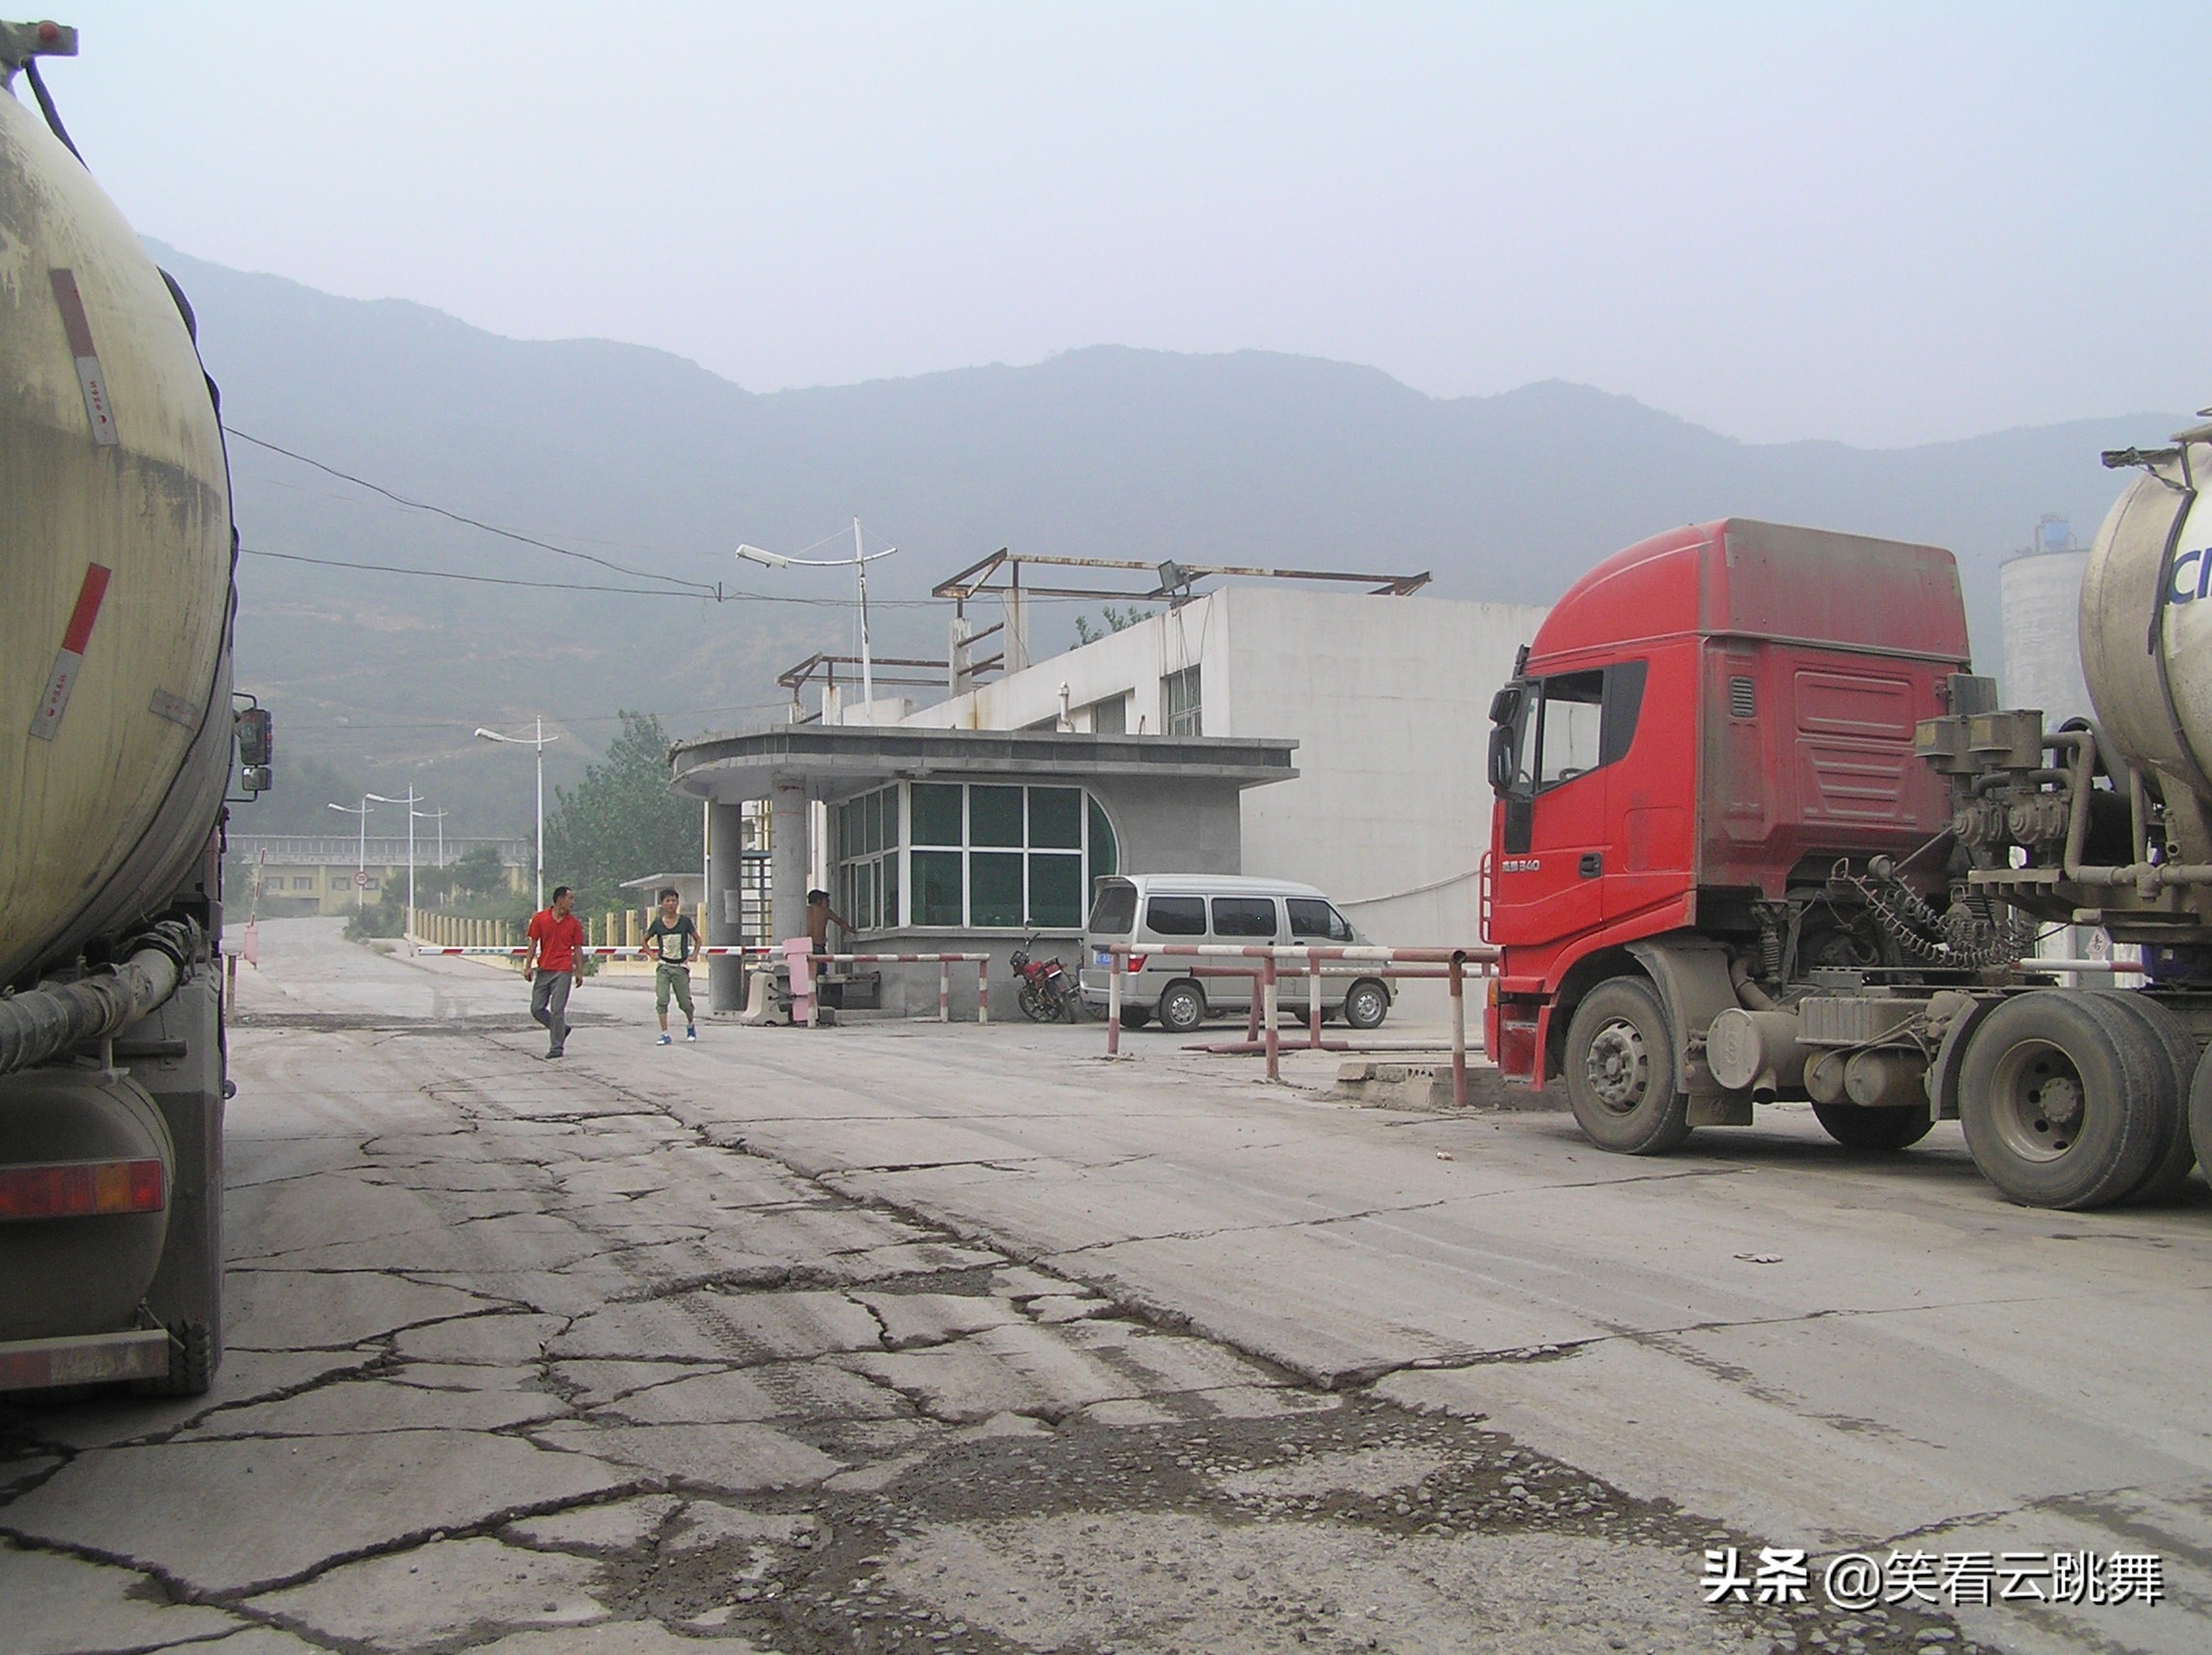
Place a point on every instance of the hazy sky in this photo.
(1881, 224)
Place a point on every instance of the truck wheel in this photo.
(1182, 1008)
(191, 1363)
(2059, 1101)
(1366, 1003)
(1856, 1128)
(1621, 1071)
(2177, 1154)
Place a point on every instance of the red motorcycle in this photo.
(1047, 993)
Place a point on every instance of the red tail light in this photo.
(82, 1189)
(1136, 962)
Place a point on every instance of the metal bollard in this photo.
(1313, 999)
(944, 991)
(1114, 964)
(1267, 993)
(1459, 1029)
(983, 990)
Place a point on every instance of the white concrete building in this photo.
(1386, 697)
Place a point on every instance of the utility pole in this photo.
(360, 856)
(411, 799)
(539, 741)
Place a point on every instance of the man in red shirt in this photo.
(550, 965)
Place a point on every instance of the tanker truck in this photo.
(1761, 833)
(116, 555)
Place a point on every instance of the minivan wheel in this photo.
(1182, 1008)
(1366, 1003)
(1135, 1017)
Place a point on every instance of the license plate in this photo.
(1104, 958)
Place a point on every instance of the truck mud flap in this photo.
(1692, 974)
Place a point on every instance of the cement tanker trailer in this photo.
(117, 735)
(1760, 836)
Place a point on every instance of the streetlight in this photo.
(539, 741)
(411, 799)
(361, 858)
(859, 562)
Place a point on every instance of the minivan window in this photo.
(1244, 917)
(1176, 915)
(1115, 910)
(1314, 919)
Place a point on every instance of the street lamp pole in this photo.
(411, 799)
(858, 562)
(360, 854)
(539, 741)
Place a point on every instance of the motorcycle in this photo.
(1047, 993)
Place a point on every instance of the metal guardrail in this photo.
(1263, 1030)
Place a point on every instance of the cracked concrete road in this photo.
(894, 1337)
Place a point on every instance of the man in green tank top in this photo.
(670, 941)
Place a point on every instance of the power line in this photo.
(705, 592)
(471, 522)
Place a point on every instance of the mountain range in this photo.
(649, 462)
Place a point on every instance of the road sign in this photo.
(361, 879)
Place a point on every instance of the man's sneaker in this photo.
(663, 1038)
(690, 1034)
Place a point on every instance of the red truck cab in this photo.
(1705, 723)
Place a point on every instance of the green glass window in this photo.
(937, 895)
(993, 888)
(872, 831)
(1055, 890)
(1056, 818)
(995, 816)
(863, 908)
(892, 914)
(937, 814)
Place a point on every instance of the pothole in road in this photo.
(1363, 1527)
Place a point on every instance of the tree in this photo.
(621, 822)
(479, 873)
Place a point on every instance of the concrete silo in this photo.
(2040, 597)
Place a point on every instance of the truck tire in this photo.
(1621, 1071)
(191, 1363)
(2201, 1103)
(2177, 1154)
(1181, 1007)
(1856, 1128)
(2059, 1100)
(1366, 1003)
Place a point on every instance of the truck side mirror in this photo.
(1504, 712)
(1501, 758)
(256, 750)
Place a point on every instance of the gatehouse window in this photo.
(970, 855)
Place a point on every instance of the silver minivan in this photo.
(1138, 909)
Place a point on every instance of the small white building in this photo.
(1387, 697)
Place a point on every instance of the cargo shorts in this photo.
(676, 980)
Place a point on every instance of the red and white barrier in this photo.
(942, 962)
(1379, 962)
(803, 989)
(598, 950)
